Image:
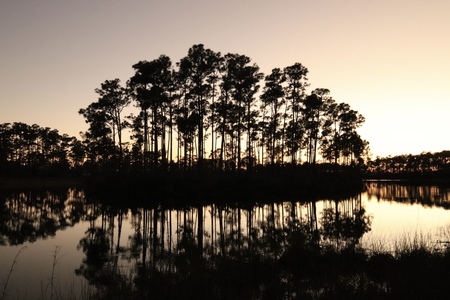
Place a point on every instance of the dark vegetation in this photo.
(180, 189)
(209, 113)
(209, 117)
(424, 167)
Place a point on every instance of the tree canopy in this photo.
(250, 119)
(207, 111)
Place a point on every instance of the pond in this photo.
(56, 245)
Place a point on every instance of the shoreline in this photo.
(40, 182)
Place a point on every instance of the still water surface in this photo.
(63, 243)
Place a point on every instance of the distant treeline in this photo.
(34, 150)
(423, 163)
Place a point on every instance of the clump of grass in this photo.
(407, 243)
(413, 243)
(5, 286)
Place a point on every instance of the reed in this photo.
(5, 286)
(53, 287)
(55, 262)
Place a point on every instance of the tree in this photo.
(150, 86)
(185, 120)
(98, 138)
(223, 109)
(198, 70)
(34, 150)
(6, 147)
(113, 99)
(294, 90)
(273, 99)
(213, 82)
(170, 108)
(314, 117)
(246, 88)
(240, 81)
(77, 153)
(340, 138)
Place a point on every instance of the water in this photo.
(403, 213)
(66, 247)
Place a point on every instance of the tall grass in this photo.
(53, 286)
(404, 244)
(397, 269)
(51, 283)
(5, 285)
(415, 242)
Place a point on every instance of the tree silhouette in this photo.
(314, 115)
(240, 81)
(99, 139)
(340, 138)
(295, 96)
(419, 165)
(113, 99)
(205, 96)
(197, 71)
(273, 99)
(223, 109)
(34, 150)
(150, 85)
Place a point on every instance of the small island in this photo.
(219, 171)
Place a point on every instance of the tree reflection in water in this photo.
(426, 195)
(101, 245)
(38, 214)
(261, 251)
(219, 251)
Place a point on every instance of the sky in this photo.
(388, 59)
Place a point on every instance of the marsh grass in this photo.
(410, 267)
(415, 242)
(52, 287)
(54, 291)
(70, 289)
(405, 243)
(5, 285)
(67, 290)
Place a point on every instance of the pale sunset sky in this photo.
(389, 59)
